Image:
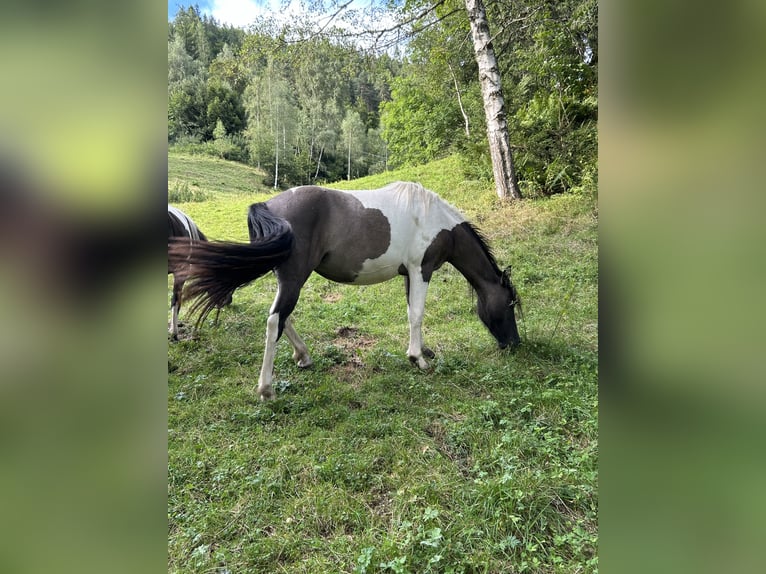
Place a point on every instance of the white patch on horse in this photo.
(413, 227)
(191, 229)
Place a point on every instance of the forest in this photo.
(315, 101)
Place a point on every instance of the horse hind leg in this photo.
(265, 390)
(283, 305)
(300, 351)
(175, 307)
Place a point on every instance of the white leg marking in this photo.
(300, 351)
(415, 308)
(267, 368)
(174, 321)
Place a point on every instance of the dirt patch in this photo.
(332, 297)
(350, 343)
(350, 340)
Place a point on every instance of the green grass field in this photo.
(486, 463)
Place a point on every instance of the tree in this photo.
(272, 123)
(224, 105)
(494, 103)
(189, 27)
(186, 92)
(352, 135)
(548, 52)
(221, 141)
(419, 15)
(418, 122)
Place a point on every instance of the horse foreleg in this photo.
(416, 301)
(265, 389)
(300, 351)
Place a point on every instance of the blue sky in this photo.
(241, 13)
(235, 12)
(238, 13)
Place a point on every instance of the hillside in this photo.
(485, 463)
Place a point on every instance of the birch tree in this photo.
(494, 103)
(353, 132)
(419, 15)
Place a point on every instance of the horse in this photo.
(181, 225)
(355, 237)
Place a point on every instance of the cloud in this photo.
(242, 13)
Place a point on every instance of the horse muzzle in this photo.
(512, 344)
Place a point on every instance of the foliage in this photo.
(287, 101)
(353, 134)
(548, 54)
(283, 92)
(487, 463)
(550, 63)
(182, 193)
(418, 123)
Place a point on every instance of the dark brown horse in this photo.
(355, 237)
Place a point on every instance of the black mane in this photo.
(483, 242)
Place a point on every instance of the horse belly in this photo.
(336, 268)
(378, 270)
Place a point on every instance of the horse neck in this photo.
(471, 258)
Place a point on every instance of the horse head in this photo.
(498, 311)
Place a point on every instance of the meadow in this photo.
(485, 463)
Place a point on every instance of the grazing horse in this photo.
(355, 237)
(181, 225)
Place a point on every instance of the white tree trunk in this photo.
(319, 162)
(494, 105)
(349, 158)
(460, 101)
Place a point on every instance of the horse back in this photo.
(363, 236)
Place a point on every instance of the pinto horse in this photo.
(354, 237)
(181, 225)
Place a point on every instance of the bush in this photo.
(181, 193)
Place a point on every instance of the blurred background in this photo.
(682, 267)
(82, 299)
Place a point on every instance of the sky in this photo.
(242, 13)
(239, 13)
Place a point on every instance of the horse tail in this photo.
(215, 269)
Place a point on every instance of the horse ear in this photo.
(507, 274)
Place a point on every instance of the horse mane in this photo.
(407, 192)
(484, 244)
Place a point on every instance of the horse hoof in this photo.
(428, 353)
(304, 363)
(420, 362)
(267, 394)
(302, 360)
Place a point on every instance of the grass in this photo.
(487, 463)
